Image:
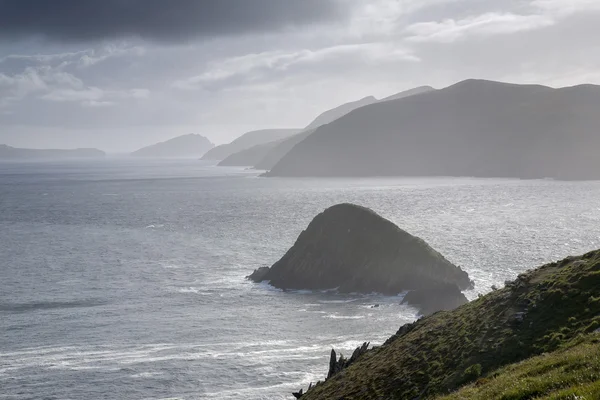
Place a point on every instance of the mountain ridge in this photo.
(472, 128)
(246, 141)
(190, 145)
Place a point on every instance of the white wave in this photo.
(338, 301)
(334, 316)
(142, 375)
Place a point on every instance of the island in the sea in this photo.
(354, 250)
(16, 154)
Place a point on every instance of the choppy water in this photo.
(125, 279)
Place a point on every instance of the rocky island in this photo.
(354, 250)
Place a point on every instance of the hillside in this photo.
(474, 128)
(572, 372)
(537, 313)
(335, 113)
(266, 155)
(279, 151)
(14, 153)
(407, 93)
(247, 141)
(249, 157)
(191, 145)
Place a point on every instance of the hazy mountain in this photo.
(249, 157)
(283, 147)
(335, 113)
(473, 128)
(246, 141)
(191, 145)
(13, 153)
(411, 92)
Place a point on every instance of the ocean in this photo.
(125, 279)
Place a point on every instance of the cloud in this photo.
(450, 30)
(53, 84)
(566, 7)
(77, 20)
(94, 96)
(267, 65)
(82, 58)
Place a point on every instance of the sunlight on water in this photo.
(114, 278)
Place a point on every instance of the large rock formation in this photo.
(353, 249)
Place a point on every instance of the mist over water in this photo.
(125, 279)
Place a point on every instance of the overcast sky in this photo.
(120, 74)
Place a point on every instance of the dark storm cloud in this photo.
(75, 20)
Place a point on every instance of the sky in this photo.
(121, 74)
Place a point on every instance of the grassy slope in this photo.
(572, 373)
(559, 302)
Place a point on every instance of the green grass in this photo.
(559, 302)
(572, 373)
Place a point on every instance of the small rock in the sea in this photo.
(375, 306)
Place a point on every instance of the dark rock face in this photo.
(353, 249)
(338, 365)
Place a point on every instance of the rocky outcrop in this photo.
(353, 249)
(447, 297)
(337, 365)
